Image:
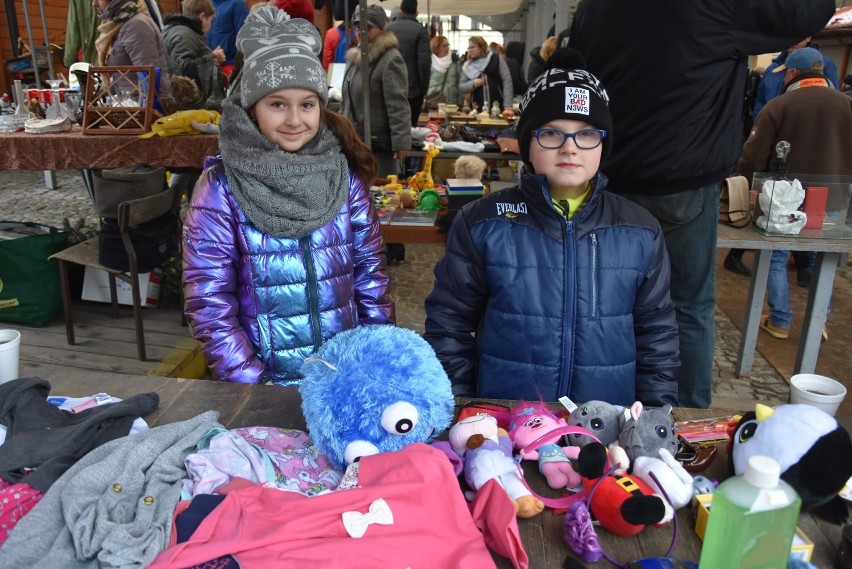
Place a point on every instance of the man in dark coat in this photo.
(414, 47)
(676, 72)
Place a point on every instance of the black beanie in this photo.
(564, 94)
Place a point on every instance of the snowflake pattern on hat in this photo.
(280, 53)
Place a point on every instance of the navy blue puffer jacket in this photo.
(529, 305)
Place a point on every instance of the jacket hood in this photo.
(181, 20)
(384, 42)
(515, 50)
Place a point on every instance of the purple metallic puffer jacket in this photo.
(259, 304)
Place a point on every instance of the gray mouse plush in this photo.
(599, 417)
(645, 430)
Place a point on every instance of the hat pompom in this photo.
(566, 58)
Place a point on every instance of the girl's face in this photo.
(473, 50)
(288, 117)
(567, 168)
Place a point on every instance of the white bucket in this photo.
(10, 349)
(817, 390)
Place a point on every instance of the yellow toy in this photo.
(422, 180)
(184, 122)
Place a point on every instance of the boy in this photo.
(556, 287)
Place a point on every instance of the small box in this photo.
(96, 287)
(464, 186)
(802, 547)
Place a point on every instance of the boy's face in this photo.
(567, 168)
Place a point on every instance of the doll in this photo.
(531, 422)
(486, 453)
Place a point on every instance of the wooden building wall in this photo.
(55, 17)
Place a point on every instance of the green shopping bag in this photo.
(29, 284)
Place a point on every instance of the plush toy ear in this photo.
(821, 473)
(591, 463)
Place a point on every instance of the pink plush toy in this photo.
(530, 422)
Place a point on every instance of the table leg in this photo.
(754, 307)
(816, 312)
(89, 182)
(50, 180)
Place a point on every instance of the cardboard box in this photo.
(96, 287)
(802, 548)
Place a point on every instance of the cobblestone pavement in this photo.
(23, 197)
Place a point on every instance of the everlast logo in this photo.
(514, 208)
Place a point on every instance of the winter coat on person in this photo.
(230, 16)
(390, 115)
(449, 79)
(81, 30)
(815, 119)
(772, 83)
(187, 53)
(276, 294)
(138, 42)
(679, 114)
(515, 61)
(498, 86)
(529, 305)
(537, 64)
(414, 47)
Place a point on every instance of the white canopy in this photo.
(471, 8)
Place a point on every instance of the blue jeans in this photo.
(778, 291)
(688, 220)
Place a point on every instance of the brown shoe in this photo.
(774, 331)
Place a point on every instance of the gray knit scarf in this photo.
(284, 194)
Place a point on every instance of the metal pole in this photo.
(32, 47)
(12, 22)
(365, 72)
(46, 40)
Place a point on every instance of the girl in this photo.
(282, 249)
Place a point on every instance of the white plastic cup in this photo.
(818, 391)
(10, 350)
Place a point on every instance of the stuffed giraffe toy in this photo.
(422, 180)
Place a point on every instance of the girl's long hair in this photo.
(358, 156)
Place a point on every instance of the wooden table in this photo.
(74, 150)
(828, 251)
(247, 405)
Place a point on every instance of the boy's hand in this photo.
(219, 53)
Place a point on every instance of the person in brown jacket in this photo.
(816, 120)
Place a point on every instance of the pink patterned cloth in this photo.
(15, 501)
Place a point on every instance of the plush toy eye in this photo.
(747, 430)
(357, 449)
(400, 418)
(596, 424)
(662, 431)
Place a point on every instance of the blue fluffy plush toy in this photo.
(374, 389)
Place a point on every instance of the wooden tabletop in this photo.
(74, 150)
(242, 405)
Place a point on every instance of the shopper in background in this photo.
(486, 77)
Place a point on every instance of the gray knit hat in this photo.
(279, 52)
(376, 17)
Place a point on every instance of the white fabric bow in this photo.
(356, 523)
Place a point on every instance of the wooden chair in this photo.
(130, 213)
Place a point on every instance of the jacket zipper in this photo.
(594, 275)
(311, 287)
(570, 308)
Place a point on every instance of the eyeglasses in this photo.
(585, 139)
